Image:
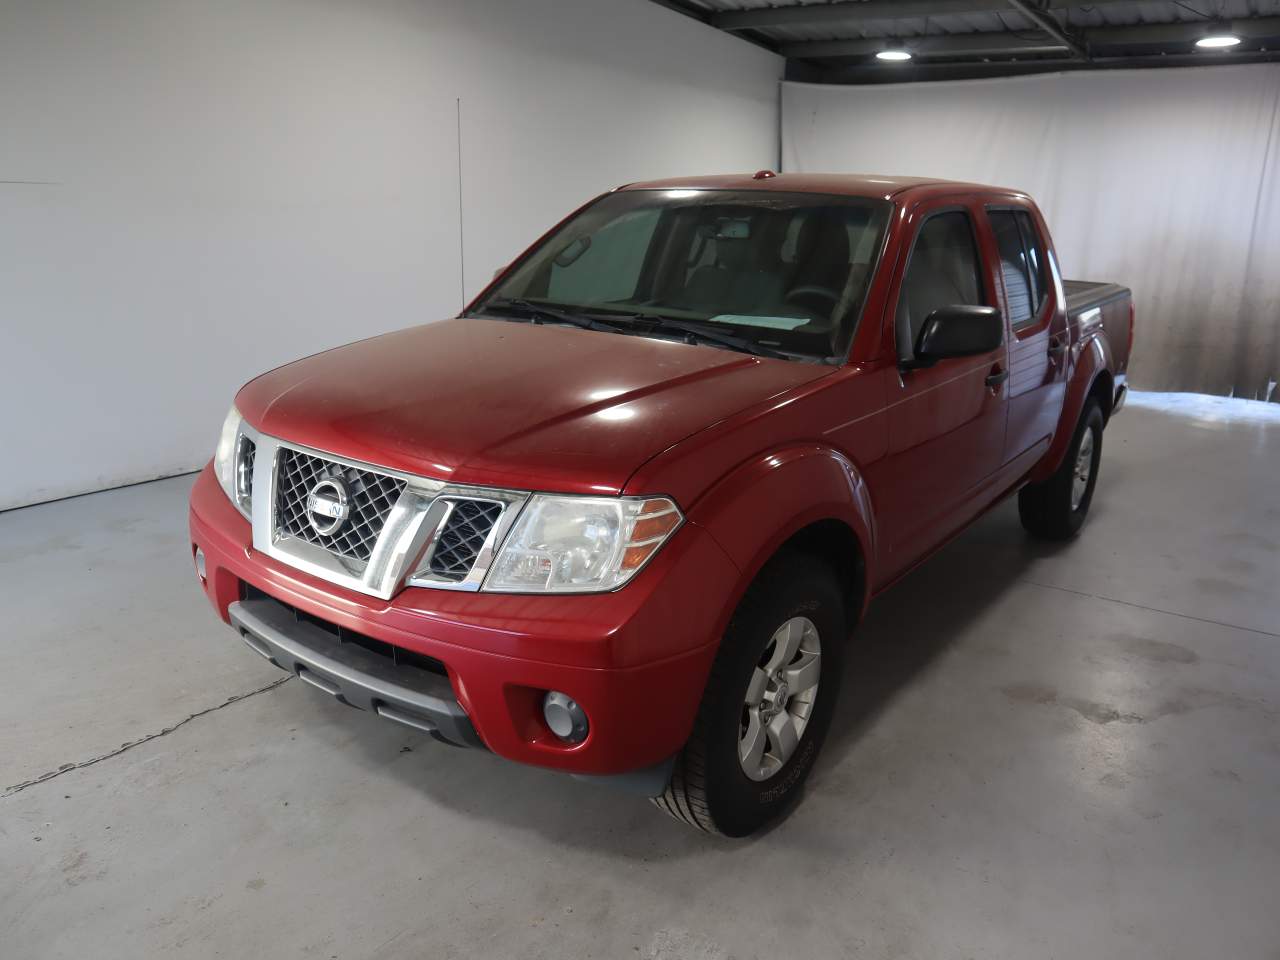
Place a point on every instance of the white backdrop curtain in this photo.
(1164, 180)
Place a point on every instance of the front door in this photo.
(946, 422)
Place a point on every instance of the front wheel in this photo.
(1056, 509)
(768, 702)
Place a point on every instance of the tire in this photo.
(710, 788)
(1056, 509)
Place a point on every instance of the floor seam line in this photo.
(68, 767)
(1143, 606)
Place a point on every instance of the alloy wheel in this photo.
(779, 699)
(1083, 469)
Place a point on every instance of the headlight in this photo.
(226, 460)
(581, 544)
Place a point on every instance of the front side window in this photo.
(784, 272)
(942, 272)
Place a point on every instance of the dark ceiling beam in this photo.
(1049, 24)
(852, 11)
(1031, 44)
(689, 10)
(876, 72)
(933, 45)
(702, 15)
(1252, 28)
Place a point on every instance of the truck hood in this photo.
(494, 403)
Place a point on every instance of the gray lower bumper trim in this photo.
(409, 696)
(647, 782)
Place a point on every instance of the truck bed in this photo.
(1084, 295)
(1091, 304)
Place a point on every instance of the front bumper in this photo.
(399, 692)
(637, 660)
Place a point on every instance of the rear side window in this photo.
(1021, 264)
(1035, 257)
(942, 272)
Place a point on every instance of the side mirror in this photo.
(958, 331)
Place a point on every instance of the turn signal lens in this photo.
(657, 519)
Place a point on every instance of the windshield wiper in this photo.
(624, 322)
(698, 333)
(537, 313)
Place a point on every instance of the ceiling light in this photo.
(894, 54)
(1217, 41)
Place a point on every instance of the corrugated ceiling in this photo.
(1115, 13)
(1091, 25)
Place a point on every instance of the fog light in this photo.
(200, 564)
(567, 720)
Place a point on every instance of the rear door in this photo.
(946, 422)
(1033, 306)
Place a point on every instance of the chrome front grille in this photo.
(462, 537)
(246, 456)
(372, 495)
(372, 529)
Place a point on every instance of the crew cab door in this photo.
(946, 422)
(1034, 308)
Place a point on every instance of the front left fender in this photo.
(757, 507)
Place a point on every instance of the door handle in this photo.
(997, 377)
(1057, 344)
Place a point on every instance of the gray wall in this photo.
(193, 191)
(1165, 180)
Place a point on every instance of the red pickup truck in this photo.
(619, 517)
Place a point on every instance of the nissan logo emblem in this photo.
(328, 506)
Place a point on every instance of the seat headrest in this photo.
(823, 238)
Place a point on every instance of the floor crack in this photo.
(68, 767)
(1143, 606)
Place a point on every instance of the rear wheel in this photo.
(768, 702)
(1056, 509)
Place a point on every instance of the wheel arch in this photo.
(1103, 391)
(1091, 376)
(811, 498)
(834, 543)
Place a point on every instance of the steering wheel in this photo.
(812, 292)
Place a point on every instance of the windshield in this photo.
(785, 273)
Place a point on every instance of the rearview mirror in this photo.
(958, 331)
(572, 252)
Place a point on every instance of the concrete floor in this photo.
(1041, 752)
